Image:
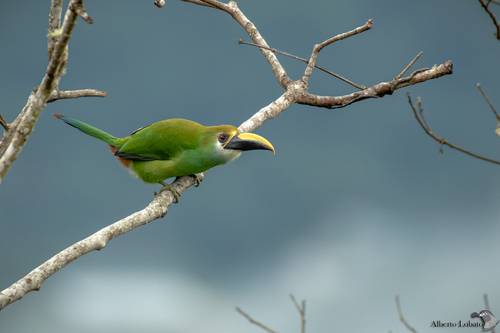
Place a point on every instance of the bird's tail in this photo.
(92, 131)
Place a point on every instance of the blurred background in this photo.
(356, 207)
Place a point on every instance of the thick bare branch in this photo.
(54, 24)
(156, 209)
(296, 92)
(33, 281)
(20, 130)
(378, 90)
(232, 9)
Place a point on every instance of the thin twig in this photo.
(402, 318)
(57, 94)
(487, 100)
(409, 65)
(251, 320)
(493, 18)
(318, 47)
(302, 311)
(4, 123)
(80, 11)
(159, 3)
(306, 61)
(441, 140)
(421, 111)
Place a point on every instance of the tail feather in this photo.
(92, 131)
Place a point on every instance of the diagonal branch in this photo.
(232, 9)
(296, 92)
(4, 123)
(306, 61)
(302, 312)
(423, 123)
(403, 320)
(318, 47)
(54, 24)
(97, 241)
(488, 100)
(253, 321)
(14, 140)
(485, 5)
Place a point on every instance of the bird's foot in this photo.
(196, 179)
(168, 187)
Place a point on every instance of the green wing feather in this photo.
(163, 140)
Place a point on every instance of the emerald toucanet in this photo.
(174, 148)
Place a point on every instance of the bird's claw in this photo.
(171, 189)
(197, 180)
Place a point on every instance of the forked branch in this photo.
(485, 4)
(421, 120)
(17, 133)
(301, 309)
(295, 92)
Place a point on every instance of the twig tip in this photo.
(159, 3)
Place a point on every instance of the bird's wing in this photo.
(163, 140)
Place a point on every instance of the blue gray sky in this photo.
(356, 207)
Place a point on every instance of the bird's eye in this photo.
(222, 137)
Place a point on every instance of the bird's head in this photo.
(230, 142)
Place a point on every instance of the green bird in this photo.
(174, 148)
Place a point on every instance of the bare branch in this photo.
(268, 112)
(402, 318)
(409, 65)
(296, 92)
(254, 321)
(318, 47)
(57, 94)
(497, 130)
(54, 24)
(302, 312)
(13, 142)
(80, 11)
(306, 61)
(4, 123)
(159, 3)
(487, 100)
(33, 281)
(421, 121)
(378, 90)
(232, 9)
(485, 5)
